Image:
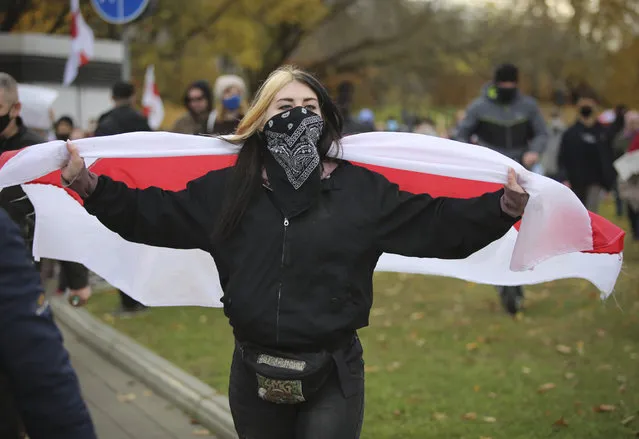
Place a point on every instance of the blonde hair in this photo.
(253, 119)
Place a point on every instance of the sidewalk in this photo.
(121, 406)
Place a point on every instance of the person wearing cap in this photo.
(230, 97)
(509, 122)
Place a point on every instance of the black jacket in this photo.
(13, 199)
(307, 281)
(585, 158)
(120, 120)
(37, 382)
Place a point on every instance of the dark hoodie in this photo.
(511, 129)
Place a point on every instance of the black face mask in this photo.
(506, 95)
(586, 111)
(5, 120)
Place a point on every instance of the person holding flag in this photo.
(296, 236)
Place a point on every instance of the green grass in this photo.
(438, 349)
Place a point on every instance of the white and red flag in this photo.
(557, 238)
(82, 40)
(151, 100)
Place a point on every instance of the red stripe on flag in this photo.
(84, 59)
(74, 25)
(173, 173)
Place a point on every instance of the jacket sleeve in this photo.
(32, 353)
(444, 228)
(181, 219)
(468, 125)
(540, 131)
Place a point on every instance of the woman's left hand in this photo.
(515, 198)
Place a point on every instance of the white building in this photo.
(39, 59)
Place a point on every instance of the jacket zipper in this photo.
(279, 290)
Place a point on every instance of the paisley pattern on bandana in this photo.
(292, 139)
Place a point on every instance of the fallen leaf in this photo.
(420, 342)
(194, 421)
(203, 318)
(601, 332)
(580, 347)
(147, 392)
(126, 397)
(604, 408)
(481, 339)
(439, 416)
(628, 420)
(108, 318)
(634, 356)
(561, 422)
(605, 367)
(476, 388)
(622, 388)
(627, 348)
(371, 369)
(413, 335)
(397, 412)
(201, 432)
(471, 346)
(396, 306)
(569, 375)
(485, 437)
(492, 395)
(621, 379)
(417, 316)
(388, 323)
(470, 416)
(490, 419)
(546, 387)
(525, 370)
(393, 366)
(563, 349)
(375, 312)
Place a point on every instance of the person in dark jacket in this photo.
(15, 135)
(511, 123)
(296, 237)
(505, 120)
(41, 394)
(123, 118)
(585, 159)
(344, 102)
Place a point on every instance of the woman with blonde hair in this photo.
(296, 236)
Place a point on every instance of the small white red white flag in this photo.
(82, 40)
(557, 238)
(151, 100)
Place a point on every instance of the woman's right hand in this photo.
(74, 166)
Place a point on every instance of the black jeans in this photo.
(73, 276)
(327, 415)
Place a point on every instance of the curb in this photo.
(167, 380)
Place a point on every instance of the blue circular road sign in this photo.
(119, 11)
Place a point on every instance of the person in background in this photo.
(509, 122)
(550, 157)
(612, 132)
(230, 95)
(425, 126)
(199, 116)
(344, 101)
(585, 164)
(628, 141)
(366, 118)
(392, 124)
(39, 391)
(63, 127)
(123, 118)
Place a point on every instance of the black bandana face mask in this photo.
(291, 138)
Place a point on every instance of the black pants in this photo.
(128, 302)
(327, 415)
(73, 276)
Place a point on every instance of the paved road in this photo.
(122, 407)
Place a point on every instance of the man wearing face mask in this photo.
(585, 161)
(15, 135)
(511, 123)
(505, 120)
